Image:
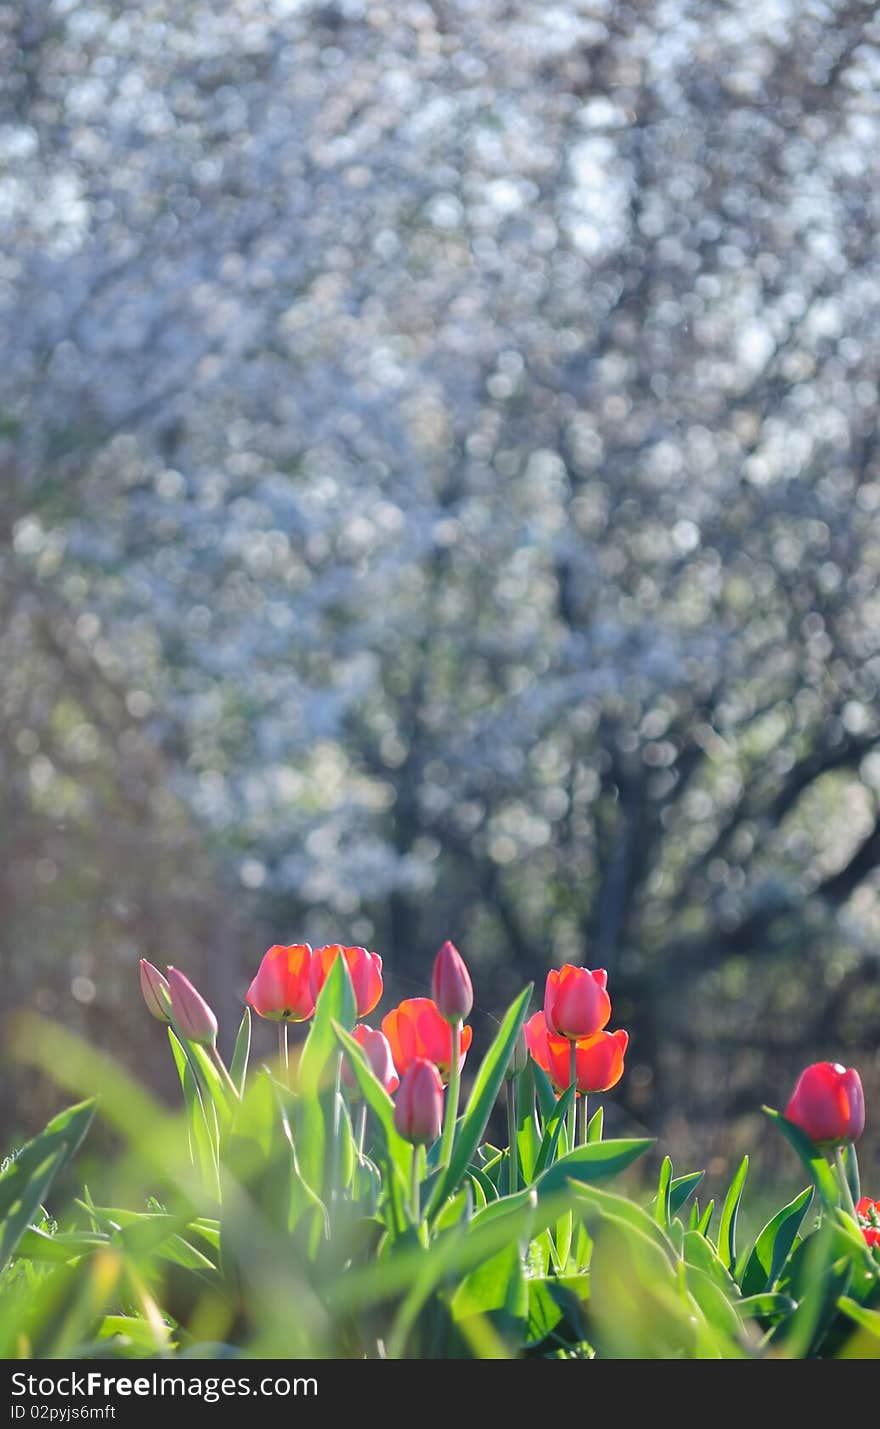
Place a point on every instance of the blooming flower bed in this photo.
(343, 1202)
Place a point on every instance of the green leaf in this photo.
(544, 1090)
(661, 1200)
(773, 1244)
(868, 1319)
(202, 1135)
(26, 1180)
(595, 1199)
(61, 1248)
(241, 1052)
(505, 1205)
(336, 1004)
(528, 1134)
(214, 1089)
(556, 1307)
(477, 1177)
(394, 1153)
(591, 1163)
(496, 1288)
(714, 1303)
(767, 1306)
(705, 1220)
(317, 1076)
(458, 1208)
(485, 1090)
(817, 1167)
(596, 1125)
(126, 1336)
(681, 1188)
(816, 1282)
(639, 1305)
(700, 1252)
(553, 1126)
(727, 1229)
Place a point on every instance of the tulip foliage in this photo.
(341, 1200)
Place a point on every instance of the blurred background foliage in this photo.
(440, 473)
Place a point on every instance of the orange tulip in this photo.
(281, 990)
(365, 969)
(415, 1029)
(598, 1060)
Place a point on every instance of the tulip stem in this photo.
(846, 1193)
(221, 1068)
(362, 1128)
(452, 1094)
(416, 1185)
(283, 1052)
(512, 1146)
(582, 1119)
(572, 1081)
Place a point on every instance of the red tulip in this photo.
(828, 1104)
(598, 1060)
(281, 990)
(418, 1110)
(576, 1004)
(155, 990)
(190, 1010)
(451, 984)
(868, 1213)
(378, 1054)
(365, 969)
(415, 1030)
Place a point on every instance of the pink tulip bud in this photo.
(418, 1110)
(451, 985)
(374, 1045)
(190, 1010)
(155, 990)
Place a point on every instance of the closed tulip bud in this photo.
(828, 1104)
(190, 1010)
(378, 1053)
(451, 985)
(364, 968)
(576, 1004)
(281, 990)
(418, 1109)
(155, 990)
